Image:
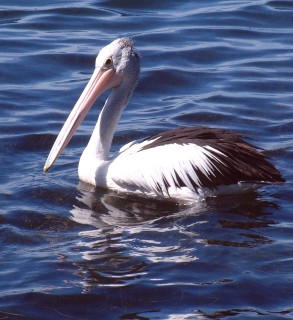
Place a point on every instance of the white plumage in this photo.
(185, 163)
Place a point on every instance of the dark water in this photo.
(71, 252)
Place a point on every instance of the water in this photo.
(71, 252)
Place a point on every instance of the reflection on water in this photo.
(245, 216)
(126, 235)
(114, 209)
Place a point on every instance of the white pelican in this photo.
(185, 163)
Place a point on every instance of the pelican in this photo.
(184, 163)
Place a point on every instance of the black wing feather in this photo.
(236, 160)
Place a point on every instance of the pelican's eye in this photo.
(136, 55)
(108, 63)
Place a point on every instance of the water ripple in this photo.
(72, 251)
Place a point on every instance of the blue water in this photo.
(71, 252)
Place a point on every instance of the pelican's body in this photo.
(185, 163)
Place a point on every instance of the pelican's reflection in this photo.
(106, 209)
(121, 236)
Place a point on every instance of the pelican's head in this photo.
(120, 56)
(117, 67)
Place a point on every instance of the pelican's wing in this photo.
(165, 164)
(165, 169)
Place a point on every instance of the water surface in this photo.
(69, 251)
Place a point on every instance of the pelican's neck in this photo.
(102, 136)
